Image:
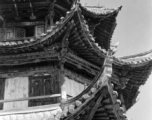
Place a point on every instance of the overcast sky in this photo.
(134, 35)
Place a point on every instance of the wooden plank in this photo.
(16, 88)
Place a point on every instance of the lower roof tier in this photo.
(97, 101)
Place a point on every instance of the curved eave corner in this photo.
(99, 11)
(139, 67)
(103, 29)
(135, 60)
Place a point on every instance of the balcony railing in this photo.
(30, 98)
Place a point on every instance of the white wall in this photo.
(16, 88)
(72, 87)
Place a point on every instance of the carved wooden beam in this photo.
(61, 8)
(76, 77)
(23, 5)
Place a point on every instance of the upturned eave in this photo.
(134, 71)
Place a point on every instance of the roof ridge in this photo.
(135, 60)
(136, 55)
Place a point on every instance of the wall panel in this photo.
(16, 88)
(73, 88)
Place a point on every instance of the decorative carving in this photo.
(121, 78)
(29, 57)
(29, 71)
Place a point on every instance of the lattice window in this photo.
(19, 33)
(43, 85)
(2, 86)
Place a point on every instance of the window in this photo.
(19, 32)
(40, 86)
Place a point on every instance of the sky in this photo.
(133, 32)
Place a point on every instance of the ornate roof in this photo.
(101, 24)
(81, 41)
(85, 32)
(97, 101)
(134, 70)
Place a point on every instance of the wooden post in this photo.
(123, 104)
(62, 81)
(51, 12)
(46, 23)
(4, 29)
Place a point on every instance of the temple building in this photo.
(57, 63)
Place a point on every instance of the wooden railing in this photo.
(30, 98)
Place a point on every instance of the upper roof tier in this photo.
(82, 39)
(103, 24)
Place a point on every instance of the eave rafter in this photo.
(82, 42)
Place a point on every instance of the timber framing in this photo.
(76, 44)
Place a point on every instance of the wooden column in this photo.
(2, 85)
(62, 81)
(51, 12)
(123, 102)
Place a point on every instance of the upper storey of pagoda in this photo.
(89, 28)
(22, 19)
